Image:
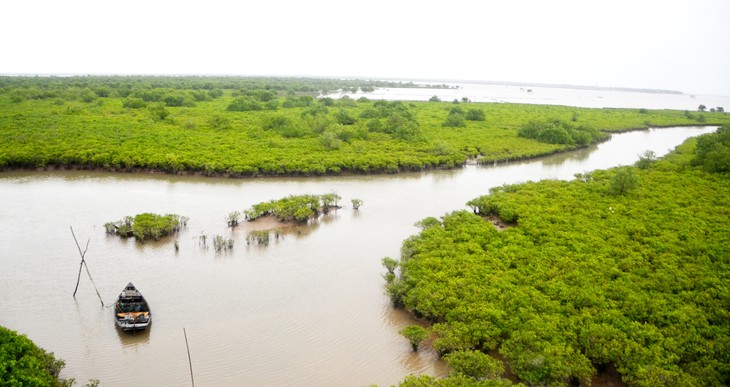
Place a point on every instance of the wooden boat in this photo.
(131, 310)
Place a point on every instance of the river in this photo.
(306, 310)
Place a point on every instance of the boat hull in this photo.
(131, 310)
(125, 326)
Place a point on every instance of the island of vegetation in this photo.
(624, 269)
(294, 208)
(147, 226)
(234, 126)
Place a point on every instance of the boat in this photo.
(131, 310)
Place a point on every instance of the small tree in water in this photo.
(329, 201)
(356, 203)
(233, 218)
(415, 334)
(390, 264)
(261, 237)
(220, 243)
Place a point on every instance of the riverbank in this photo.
(193, 128)
(479, 159)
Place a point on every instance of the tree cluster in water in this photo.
(147, 226)
(296, 208)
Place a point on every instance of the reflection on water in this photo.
(577, 155)
(134, 338)
(308, 309)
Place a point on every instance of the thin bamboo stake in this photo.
(83, 263)
(190, 362)
(78, 278)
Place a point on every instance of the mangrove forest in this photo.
(237, 126)
(623, 269)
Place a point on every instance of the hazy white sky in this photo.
(670, 44)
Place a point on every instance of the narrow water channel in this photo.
(306, 310)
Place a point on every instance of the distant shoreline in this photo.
(549, 85)
(423, 82)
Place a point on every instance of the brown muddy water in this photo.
(306, 310)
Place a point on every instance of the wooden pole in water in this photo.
(189, 361)
(82, 264)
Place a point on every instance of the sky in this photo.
(668, 44)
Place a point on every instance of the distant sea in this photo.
(549, 95)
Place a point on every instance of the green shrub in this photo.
(475, 364)
(344, 117)
(560, 132)
(454, 120)
(623, 181)
(713, 151)
(586, 279)
(296, 208)
(415, 334)
(22, 363)
(475, 115)
(147, 226)
(158, 111)
(243, 104)
(134, 103)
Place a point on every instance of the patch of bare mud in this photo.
(498, 223)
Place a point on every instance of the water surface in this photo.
(544, 95)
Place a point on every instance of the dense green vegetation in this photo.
(713, 151)
(22, 363)
(456, 380)
(273, 126)
(147, 225)
(588, 277)
(561, 132)
(294, 208)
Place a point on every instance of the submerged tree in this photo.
(147, 225)
(330, 201)
(261, 237)
(221, 243)
(232, 218)
(356, 203)
(415, 334)
(390, 264)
